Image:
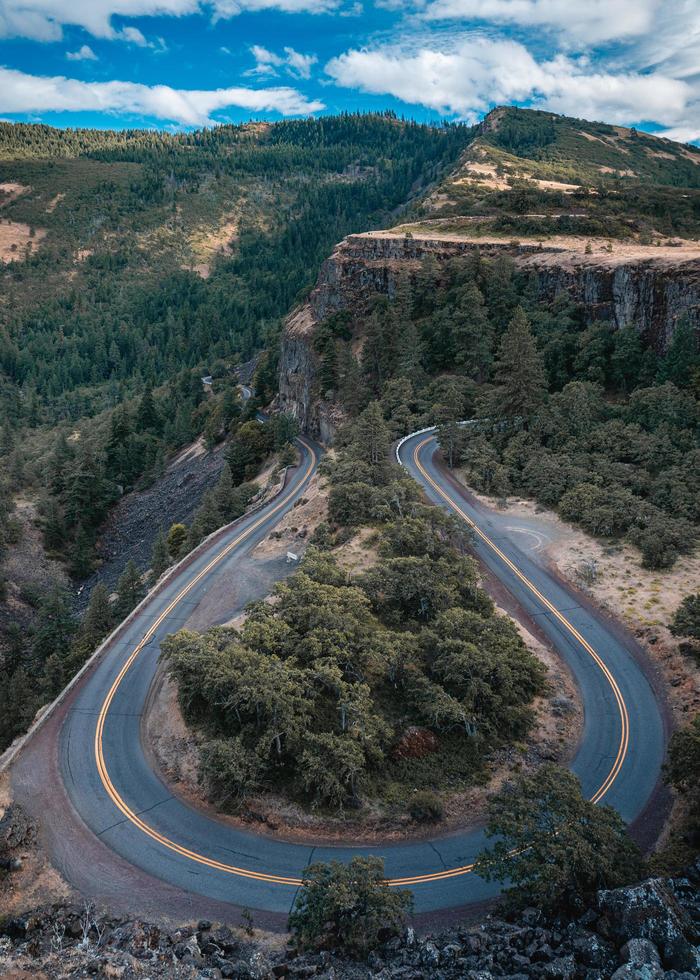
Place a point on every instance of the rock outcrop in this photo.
(644, 932)
(649, 287)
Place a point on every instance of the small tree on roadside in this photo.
(554, 846)
(160, 558)
(130, 591)
(682, 770)
(686, 619)
(347, 906)
(177, 536)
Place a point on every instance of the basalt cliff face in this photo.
(648, 287)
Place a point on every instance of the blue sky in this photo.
(184, 63)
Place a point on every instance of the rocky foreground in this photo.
(648, 931)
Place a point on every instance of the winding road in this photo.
(117, 795)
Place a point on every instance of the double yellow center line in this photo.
(568, 626)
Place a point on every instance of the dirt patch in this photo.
(487, 175)
(643, 599)
(360, 552)
(35, 882)
(659, 154)
(615, 170)
(296, 527)
(17, 240)
(206, 244)
(689, 155)
(172, 743)
(591, 138)
(10, 190)
(484, 173)
(53, 203)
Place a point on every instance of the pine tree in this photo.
(520, 374)
(410, 351)
(371, 436)
(472, 332)
(160, 558)
(81, 554)
(55, 627)
(98, 619)
(451, 438)
(147, 417)
(223, 495)
(130, 591)
(54, 524)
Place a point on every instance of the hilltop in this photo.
(532, 172)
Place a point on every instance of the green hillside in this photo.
(108, 238)
(537, 173)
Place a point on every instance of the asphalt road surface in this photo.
(112, 787)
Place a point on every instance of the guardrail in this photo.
(420, 432)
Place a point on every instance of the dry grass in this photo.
(17, 240)
(559, 250)
(643, 599)
(206, 244)
(297, 526)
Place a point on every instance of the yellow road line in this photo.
(281, 879)
(622, 707)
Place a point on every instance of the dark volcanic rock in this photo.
(648, 934)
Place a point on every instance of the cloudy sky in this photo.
(185, 63)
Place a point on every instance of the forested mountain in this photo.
(107, 293)
(153, 259)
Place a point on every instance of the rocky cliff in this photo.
(650, 287)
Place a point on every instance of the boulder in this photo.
(16, 829)
(630, 971)
(640, 952)
(650, 911)
(561, 968)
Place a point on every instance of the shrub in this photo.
(347, 906)
(426, 807)
(686, 619)
(554, 846)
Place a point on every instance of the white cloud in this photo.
(267, 62)
(83, 54)
(589, 22)
(132, 35)
(43, 20)
(298, 64)
(467, 76)
(682, 134)
(23, 93)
